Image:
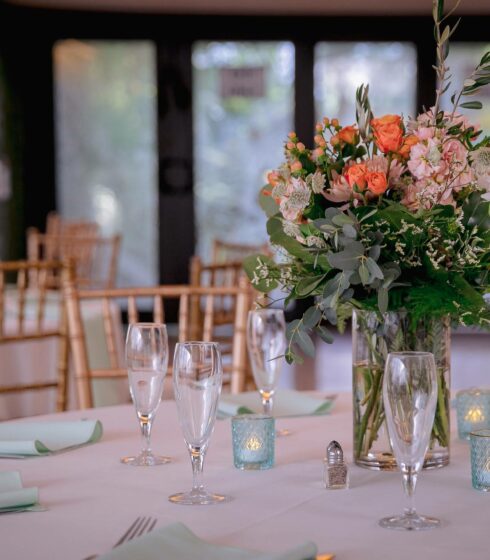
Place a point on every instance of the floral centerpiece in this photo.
(390, 218)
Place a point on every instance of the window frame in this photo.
(174, 36)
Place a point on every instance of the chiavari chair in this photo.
(95, 258)
(224, 252)
(25, 287)
(234, 371)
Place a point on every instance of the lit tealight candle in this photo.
(473, 408)
(480, 460)
(253, 441)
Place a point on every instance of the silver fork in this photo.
(139, 527)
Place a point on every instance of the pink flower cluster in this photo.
(438, 163)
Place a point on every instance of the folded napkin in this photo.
(43, 438)
(177, 542)
(12, 496)
(286, 403)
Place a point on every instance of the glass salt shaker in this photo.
(335, 473)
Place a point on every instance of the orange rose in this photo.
(376, 182)
(335, 141)
(356, 175)
(296, 166)
(349, 135)
(388, 133)
(273, 178)
(408, 142)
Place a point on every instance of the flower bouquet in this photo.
(389, 218)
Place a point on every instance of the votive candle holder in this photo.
(480, 460)
(473, 411)
(253, 438)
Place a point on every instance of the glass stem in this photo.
(197, 460)
(267, 402)
(409, 483)
(145, 424)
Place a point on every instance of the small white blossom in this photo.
(481, 167)
(316, 182)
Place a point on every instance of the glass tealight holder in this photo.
(480, 460)
(473, 410)
(253, 441)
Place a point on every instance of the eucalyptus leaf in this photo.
(308, 285)
(364, 273)
(374, 269)
(324, 334)
(342, 219)
(268, 204)
(348, 259)
(383, 300)
(374, 252)
(312, 316)
(303, 339)
(349, 231)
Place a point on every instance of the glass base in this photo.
(410, 522)
(145, 460)
(378, 461)
(198, 498)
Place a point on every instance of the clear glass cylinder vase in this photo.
(373, 337)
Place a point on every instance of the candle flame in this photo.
(475, 415)
(253, 443)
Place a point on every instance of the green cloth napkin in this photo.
(177, 542)
(286, 403)
(13, 497)
(43, 438)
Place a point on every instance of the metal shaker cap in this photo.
(335, 455)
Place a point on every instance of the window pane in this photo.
(462, 60)
(390, 69)
(238, 138)
(106, 154)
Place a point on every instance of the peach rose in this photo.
(317, 153)
(408, 142)
(376, 182)
(335, 140)
(349, 135)
(273, 178)
(296, 166)
(356, 175)
(388, 133)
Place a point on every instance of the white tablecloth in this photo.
(36, 360)
(92, 498)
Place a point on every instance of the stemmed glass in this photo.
(266, 341)
(410, 398)
(198, 375)
(146, 360)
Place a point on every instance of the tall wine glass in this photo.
(266, 341)
(410, 398)
(146, 360)
(198, 375)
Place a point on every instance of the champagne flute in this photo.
(410, 398)
(198, 375)
(266, 341)
(146, 360)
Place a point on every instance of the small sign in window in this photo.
(242, 82)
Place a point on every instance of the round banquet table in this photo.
(92, 498)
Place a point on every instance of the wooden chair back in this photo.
(225, 252)
(221, 275)
(95, 258)
(56, 225)
(25, 287)
(234, 370)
